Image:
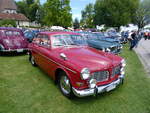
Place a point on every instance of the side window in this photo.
(57, 41)
(37, 39)
(45, 40)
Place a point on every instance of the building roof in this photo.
(7, 4)
(13, 16)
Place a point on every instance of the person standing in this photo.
(133, 40)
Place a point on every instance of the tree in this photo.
(66, 16)
(88, 16)
(29, 8)
(115, 13)
(76, 23)
(22, 7)
(142, 15)
(140, 18)
(57, 12)
(145, 5)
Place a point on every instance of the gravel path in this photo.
(143, 51)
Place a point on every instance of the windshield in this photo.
(68, 39)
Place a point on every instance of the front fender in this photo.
(73, 76)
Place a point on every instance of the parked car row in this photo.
(78, 69)
(102, 42)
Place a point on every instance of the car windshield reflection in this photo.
(68, 40)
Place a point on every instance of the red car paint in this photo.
(12, 39)
(78, 57)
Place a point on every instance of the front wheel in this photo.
(32, 60)
(65, 85)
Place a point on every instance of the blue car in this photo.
(30, 34)
(94, 41)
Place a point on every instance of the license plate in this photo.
(19, 50)
(110, 88)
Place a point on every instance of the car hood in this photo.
(91, 58)
(111, 39)
(100, 44)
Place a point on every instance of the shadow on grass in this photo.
(79, 100)
(91, 99)
(12, 54)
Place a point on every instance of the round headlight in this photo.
(92, 83)
(123, 63)
(85, 73)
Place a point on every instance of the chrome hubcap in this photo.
(32, 60)
(65, 84)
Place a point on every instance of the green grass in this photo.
(27, 89)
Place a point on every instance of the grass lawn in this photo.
(27, 89)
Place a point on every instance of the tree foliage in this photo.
(57, 12)
(140, 18)
(142, 15)
(29, 8)
(88, 16)
(115, 13)
(76, 23)
(53, 12)
(145, 4)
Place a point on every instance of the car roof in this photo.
(58, 32)
(10, 28)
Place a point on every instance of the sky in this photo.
(77, 6)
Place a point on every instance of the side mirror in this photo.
(63, 56)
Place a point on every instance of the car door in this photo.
(46, 56)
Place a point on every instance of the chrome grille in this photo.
(116, 71)
(100, 76)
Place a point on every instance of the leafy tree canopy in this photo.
(87, 16)
(29, 8)
(57, 12)
(76, 23)
(115, 13)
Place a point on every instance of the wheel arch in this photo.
(59, 70)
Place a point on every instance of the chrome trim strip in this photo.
(55, 62)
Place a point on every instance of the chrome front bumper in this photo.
(98, 89)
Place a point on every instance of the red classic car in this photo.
(78, 70)
(12, 39)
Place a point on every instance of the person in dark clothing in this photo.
(146, 35)
(133, 40)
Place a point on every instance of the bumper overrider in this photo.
(99, 89)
